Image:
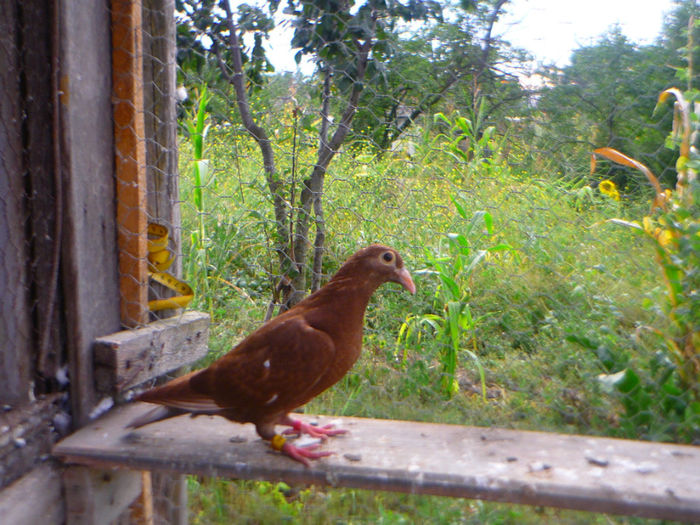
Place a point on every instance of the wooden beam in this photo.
(89, 260)
(655, 480)
(160, 111)
(130, 160)
(98, 496)
(131, 357)
(26, 435)
(15, 310)
(34, 498)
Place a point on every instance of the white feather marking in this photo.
(266, 364)
(272, 400)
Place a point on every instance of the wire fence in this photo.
(536, 308)
(544, 300)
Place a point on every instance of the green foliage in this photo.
(441, 68)
(605, 97)
(224, 502)
(202, 35)
(525, 317)
(454, 266)
(198, 263)
(672, 377)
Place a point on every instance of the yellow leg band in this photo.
(277, 442)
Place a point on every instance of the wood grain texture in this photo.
(159, 69)
(89, 263)
(43, 190)
(26, 437)
(578, 472)
(131, 357)
(130, 160)
(15, 358)
(34, 498)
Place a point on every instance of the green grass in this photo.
(224, 502)
(570, 279)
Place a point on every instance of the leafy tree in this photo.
(455, 61)
(606, 98)
(345, 40)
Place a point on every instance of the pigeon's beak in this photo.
(404, 279)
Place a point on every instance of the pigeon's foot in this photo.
(300, 454)
(299, 427)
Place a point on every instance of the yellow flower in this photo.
(664, 237)
(607, 187)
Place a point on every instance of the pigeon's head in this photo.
(381, 264)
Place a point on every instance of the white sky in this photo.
(549, 29)
(552, 29)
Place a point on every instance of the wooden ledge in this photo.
(128, 358)
(577, 472)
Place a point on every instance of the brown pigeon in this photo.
(289, 360)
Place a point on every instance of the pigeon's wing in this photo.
(274, 369)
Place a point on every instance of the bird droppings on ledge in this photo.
(132, 437)
(539, 466)
(598, 462)
(655, 480)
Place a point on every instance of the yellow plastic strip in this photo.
(159, 260)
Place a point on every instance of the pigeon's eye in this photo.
(388, 257)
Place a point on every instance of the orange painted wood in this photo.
(130, 160)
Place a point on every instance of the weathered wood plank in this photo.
(98, 496)
(26, 436)
(578, 472)
(34, 498)
(160, 112)
(43, 183)
(130, 160)
(130, 357)
(89, 263)
(15, 329)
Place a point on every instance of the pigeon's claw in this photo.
(299, 427)
(301, 454)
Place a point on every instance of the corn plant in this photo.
(453, 320)
(467, 132)
(197, 131)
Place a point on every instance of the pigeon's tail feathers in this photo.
(180, 395)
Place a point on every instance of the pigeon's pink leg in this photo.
(299, 427)
(300, 454)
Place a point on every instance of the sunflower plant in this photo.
(608, 187)
(673, 228)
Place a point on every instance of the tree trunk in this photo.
(281, 243)
(313, 186)
(318, 203)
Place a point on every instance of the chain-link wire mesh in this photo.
(534, 310)
(540, 306)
